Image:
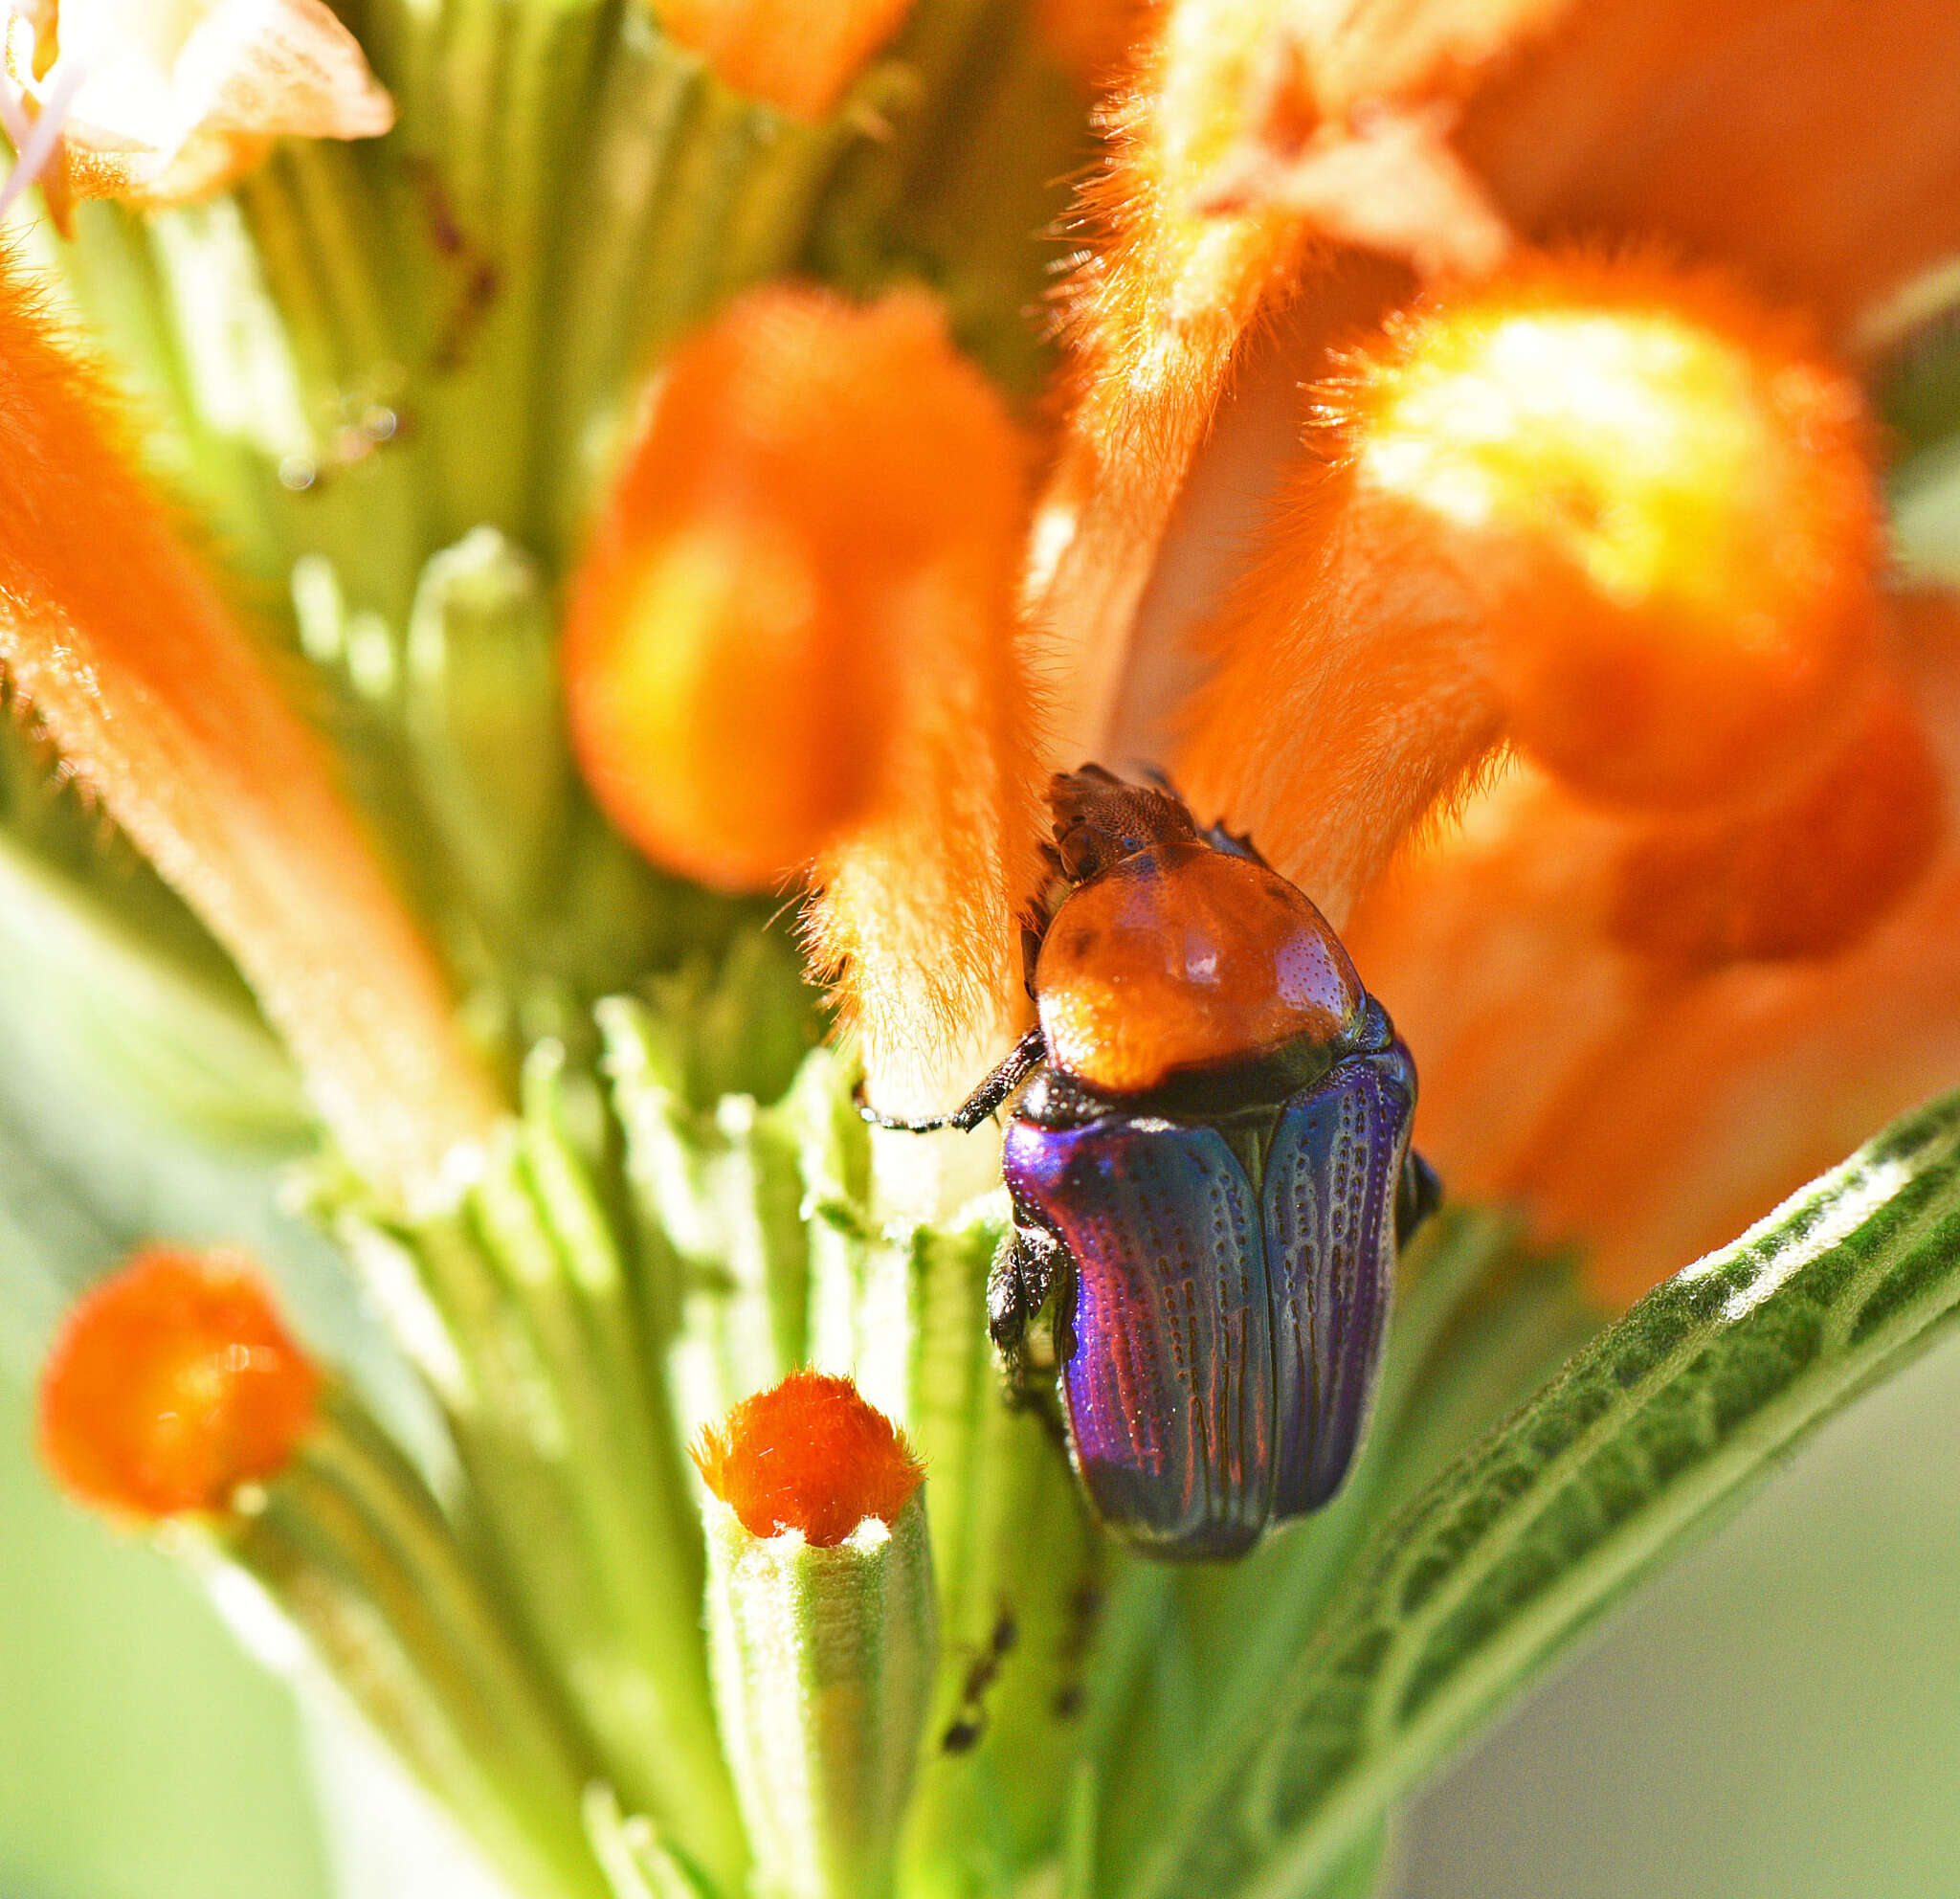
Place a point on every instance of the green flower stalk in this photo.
(547, 551)
(822, 1631)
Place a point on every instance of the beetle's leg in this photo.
(1022, 1060)
(1418, 1193)
(1023, 1275)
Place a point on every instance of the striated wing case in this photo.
(1167, 1334)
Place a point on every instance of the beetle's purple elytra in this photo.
(1208, 1163)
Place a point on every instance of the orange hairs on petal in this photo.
(1610, 511)
(1155, 314)
(122, 645)
(170, 1384)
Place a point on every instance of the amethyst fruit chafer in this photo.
(1208, 1158)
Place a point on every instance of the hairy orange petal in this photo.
(1650, 1102)
(1188, 261)
(812, 1455)
(1809, 145)
(1156, 315)
(799, 54)
(119, 642)
(1809, 875)
(1609, 511)
(917, 910)
(172, 1383)
(1812, 143)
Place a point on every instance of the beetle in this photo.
(1207, 1160)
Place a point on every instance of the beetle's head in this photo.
(1100, 820)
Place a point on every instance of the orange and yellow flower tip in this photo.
(170, 1384)
(764, 570)
(811, 1456)
(1611, 513)
(798, 55)
(1667, 505)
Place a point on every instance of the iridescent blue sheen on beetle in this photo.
(1208, 1158)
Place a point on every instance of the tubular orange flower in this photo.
(795, 55)
(794, 641)
(1606, 511)
(171, 1383)
(1807, 142)
(121, 647)
(811, 1456)
(1651, 1033)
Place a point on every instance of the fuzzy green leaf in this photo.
(1526, 1538)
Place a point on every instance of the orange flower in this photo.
(810, 1456)
(124, 651)
(1627, 527)
(1604, 512)
(1651, 1034)
(172, 1383)
(1808, 144)
(789, 52)
(794, 643)
(1645, 555)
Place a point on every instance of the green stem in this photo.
(349, 1543)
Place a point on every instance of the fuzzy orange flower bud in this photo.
(810, 1456)
(170, 1384)
(1613, 513)
(799, 54)
(731, 646)
(1665, 507)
